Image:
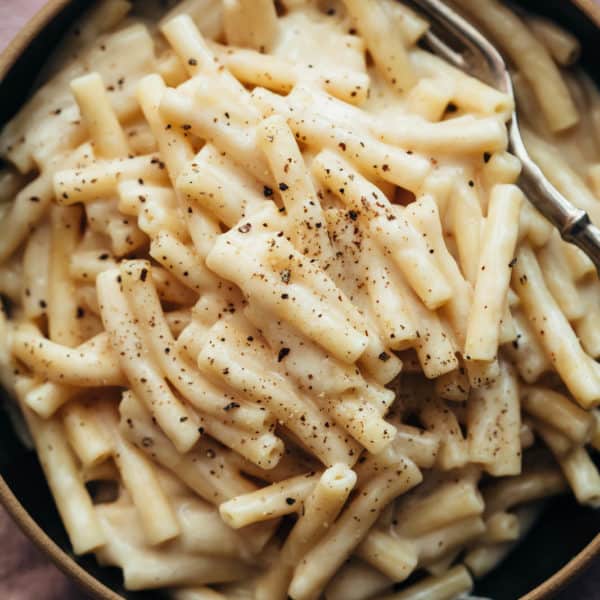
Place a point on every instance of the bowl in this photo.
(559, 548)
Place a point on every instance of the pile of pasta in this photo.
(278, 318)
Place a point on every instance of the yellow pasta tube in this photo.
(424, 215)
(494, 425)
(466, 218)
(101, 179)
(559, 412)
(33, 201)
(533, 226)
(170, 290)
(171, 69)
(531, 58)
(104, 218)
(142, 373)
(560, 444)
(204, 532)
(308, 363)
(469, 93)
(579, 263)
(318, 513)
(347, 272)
(102, 123)
(155, 208)
(445, 504)
(238, 140)
(11, 279)
(386, 296)
(178, 152)
(34, 296)
(588, 326)
(156, 514)
(250, 23)
(85, 434)
(356, 580)
(362, 421)
(326, 557)
(319, 319)
(453, 386)
(221, 186)
(90, 365)
(276, 500)
(451, 584)
(527, 436)
(71, 497)
(204, 593)
(204, 470)
(465, 134)
(554, 265)
(428, 99)
(525, 350)
(188, 43)
(562, 45)
(499, 238)
(481, 559)
(306, 220)
(436, 544)
(420, 446)
(501, 527)
(146, 568)
(440, 420)
(46, 398)
(397, 236)
(372, 157)
(62, 309)
(532, 484)
(386, 47)
(279, 75)
(558, 339)
(410, 23)
(208, 398)
(406, 246)
(394, 557)
(579, 470)
(100, 19)
(207, 14)
(500, 167)
(560, 174)
(292, 463)
(85, 265)
(254, 373)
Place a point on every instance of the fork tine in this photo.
(439, 47)
(478, 48)
(573, 223)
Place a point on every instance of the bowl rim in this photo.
(8, 57)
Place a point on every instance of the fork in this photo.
(478, 57)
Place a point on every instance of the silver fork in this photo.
(457, 41)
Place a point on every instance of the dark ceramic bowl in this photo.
(560, 547)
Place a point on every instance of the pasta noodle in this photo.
(277, 315)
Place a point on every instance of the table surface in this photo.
(25, 574)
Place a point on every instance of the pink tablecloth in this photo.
(13, 15)
(24, 573)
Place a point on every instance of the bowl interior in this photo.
(565, 528)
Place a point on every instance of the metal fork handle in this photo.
(573, 223)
